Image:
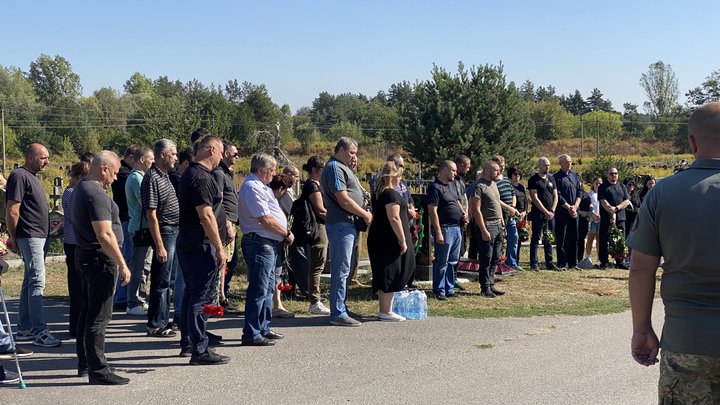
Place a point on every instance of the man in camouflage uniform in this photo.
(677, 221)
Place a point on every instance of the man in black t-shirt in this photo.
(544, 197)
(28, 225)
(223, 175)
(614, 198)
(200, 249)
(446, 218)
(99, 235)
(120, 198)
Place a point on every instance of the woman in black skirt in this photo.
(389, 241)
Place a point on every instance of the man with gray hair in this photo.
(343, 197)
(200, 249)
(264, 228)
(677, 222)
(98, 232)
(162, 210)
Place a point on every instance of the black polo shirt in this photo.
(614, 194)
(447, 200)
(198, 187)
(224, 178)
(544, 188)
(24, 187)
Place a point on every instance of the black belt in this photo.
(253, 235)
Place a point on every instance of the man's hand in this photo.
(221, 258)
(439, 238)
(612, 218)
(161, 254)
(644, 348)
(548, 216)
(12, 245)
(403, 247)
(368, 217)
(124, 274)
(4, 266)
(230, 231)
(411, 212)
(485, 235)
(290, 239)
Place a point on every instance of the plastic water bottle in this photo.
(423, 304)
(396, 302)
(403, 304)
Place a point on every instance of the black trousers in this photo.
(489, 253)
(566, 235)
(604, 238)
(583, 228)
(74, 281)
(98, 287)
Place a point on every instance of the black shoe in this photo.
(621, 266)
(213, 337)
(229, 305)
(273, 335)
(161, 333)
(604, 266)
(208, 358)
(440, 297)
(450, 295)
(185, 352)
(497, 292)
(261, 341)
(83, 372)
(487, 293)
(110, 379)
(412, 286)
(535, 268)
(120, 307)
(552, 267)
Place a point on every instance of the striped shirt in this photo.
(158, 193)
(68, 231)
(506, 190)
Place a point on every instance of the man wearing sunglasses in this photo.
(614, 198)
(223, 175)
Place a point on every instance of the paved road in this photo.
(541, 360)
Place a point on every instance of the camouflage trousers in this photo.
(688, 379)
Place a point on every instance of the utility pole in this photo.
(2, 122)
(582, 136)
(597, 138)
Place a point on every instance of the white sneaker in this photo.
(24, 335)
(318, 309)
(136, 311)
(390, 317)
(8, 377)
(45, 339)
(145, 306)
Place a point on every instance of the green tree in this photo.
(546, 94)
(527, 91)
(472, 112)
(575, 104)
(138, 83)
(22, 110)
(707, 92)
(661, 87)
(596, 102)
(54, 80)
(607, 125)
(551, 120)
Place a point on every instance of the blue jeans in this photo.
(160, 278)
(31, 293)
(261, 256)
(127, 251)
(342, 237)
(136, 266)
(446, 258)
(537, 225)
(511, 252)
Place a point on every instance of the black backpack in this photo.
(304, 223)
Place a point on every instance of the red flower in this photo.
(215, 310)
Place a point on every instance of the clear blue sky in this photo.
(301, 48)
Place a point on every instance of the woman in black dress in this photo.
(389, 241)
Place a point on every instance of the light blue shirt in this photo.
(257, 200)
(134, 202)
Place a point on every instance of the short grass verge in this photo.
(529, 294)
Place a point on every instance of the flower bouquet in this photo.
(547, 236)
(616, 243)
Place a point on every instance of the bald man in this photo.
(28, 227)
(678, 221)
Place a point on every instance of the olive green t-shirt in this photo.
(489, 195)
(678, 220)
